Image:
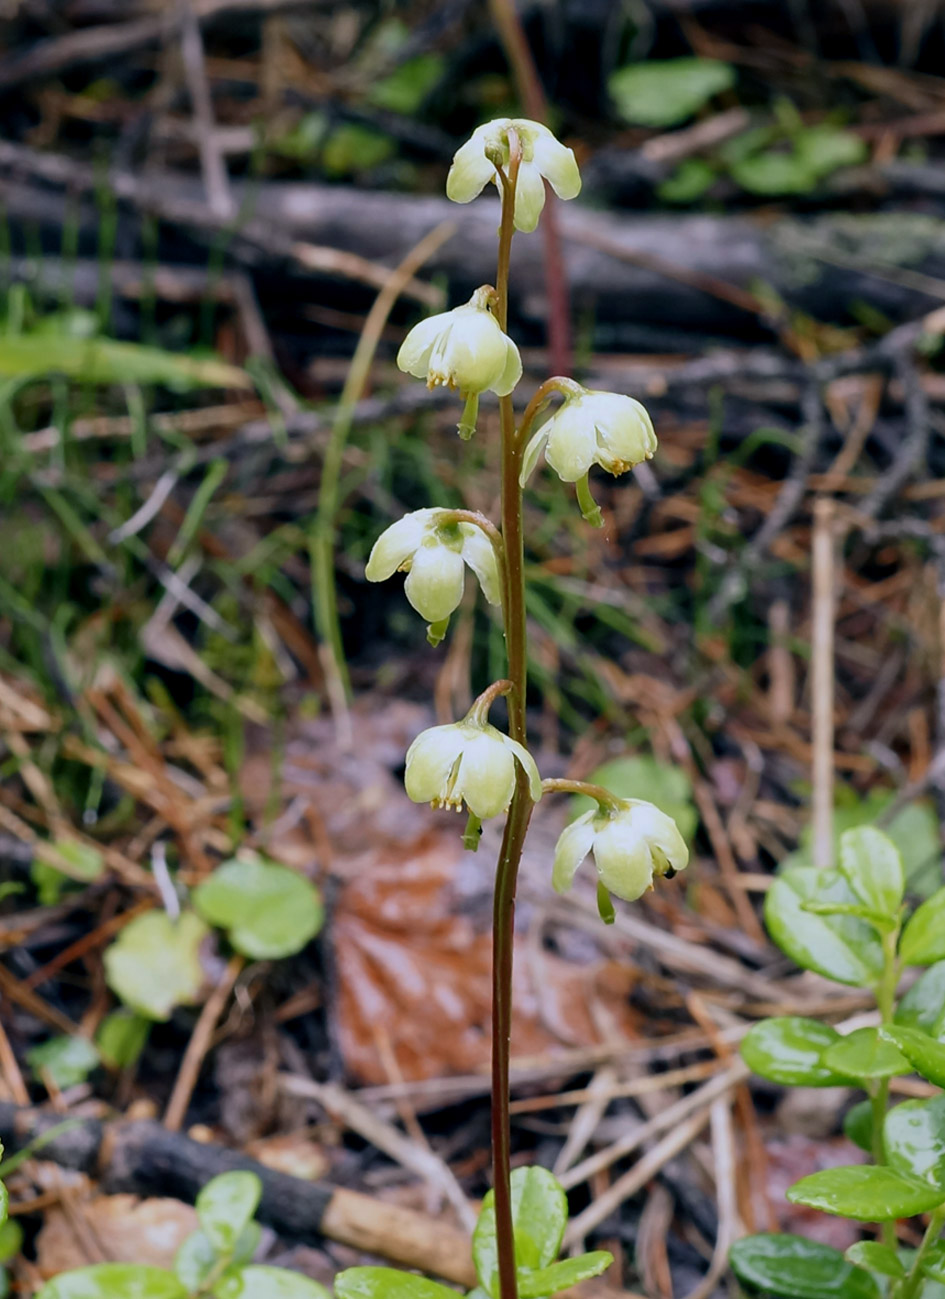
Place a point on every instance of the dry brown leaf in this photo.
(126, 1229)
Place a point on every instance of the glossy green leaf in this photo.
(933, 1265)
(914, 1138)
(842, 948)
(871, 865)
(154, 964)
(546, 1281)
(195, 1260)
(864, 1054)
(792, 1267)
(923, 1006)
(11, 1239)
(923, 939)
(259, 1282)
(67, 1060)
(114, 1281)
(226, 1206)
(788, 1050)
(387, 1283)
(925, 1054)
(858, 1125)
(268, 911)
(666, 92)
(870, 1194)
(121, 1038)
(539, 1217)
(876, 1257)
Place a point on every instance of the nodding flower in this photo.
(468, 762)
(542, 158)
(592, 428)
(633, 842)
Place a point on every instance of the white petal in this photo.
(557, 164)
(472, 355)
(661, 832)
(471, 169)
(479, 554)
(512, 371)
(396, 544)
(529, 766)
(532, 451)
(486, 777)
(434, 585)
(414, 355)
(572, 442)
(623, 859)
(573, 846)
(624, 429)
(429, 761)
(529, 197)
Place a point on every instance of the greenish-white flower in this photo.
(467, 762)
(434, 552)
(632, 842)
(464, 349)
(592, 428)
(543, 158)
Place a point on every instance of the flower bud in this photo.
(464, 348)
(592, 428)
(434, 552)
(468, 761)
(632, 842)
(543, 158)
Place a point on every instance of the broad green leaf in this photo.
(923, 939)
(923, 1006)
(67, 1060)
(195, 1260)
(81, 861)
(11, 1239)
(268, 910)
(842, 948)
(387, 1283)
(559, 1276)
(114, 1281)
(102, 360)
(666, 92)
(405, 89)
(792, 1267)
(154, 964)
(259, 1282)
(226, 1206)
(688, 182)
(864, 1054)
(878, 1258)
(539, 1217)
(926, 1055)
(868, 1193)
(914, 1139)
(640, 776)
(858, 1125)
(121, 1037)
(788, 1050)
(352, 147)
(825, 149)
(871, 864)
(775, 172)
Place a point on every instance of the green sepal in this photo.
(605, 904)
(436, 631)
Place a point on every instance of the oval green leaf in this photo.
(194, 1261)
(67, 1060)
(933, 1264)
(914, 1138)
(923, 939)
(114, 1281)
(226, 1206)
(546, 1281)
(259, 1282)
(539, 1217)
(843, 948)
(864, 1054)
(792, 1267)
(870, 1194)
(876, 1257)
(925, 1054)
(387, 1283)
(268, 910)
(154, 964)
(858, 1125)
(788, 1050)
(923, 1006)
(665, 92)
(872, 866)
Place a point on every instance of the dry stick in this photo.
(587, 1118)
(10, 1069)
(215, 178)
(323, 538)
(199, 1045)
(723, 1151)
(823, 614)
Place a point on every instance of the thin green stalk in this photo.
(912, 1282)
(879, 1098)
(503, 925)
